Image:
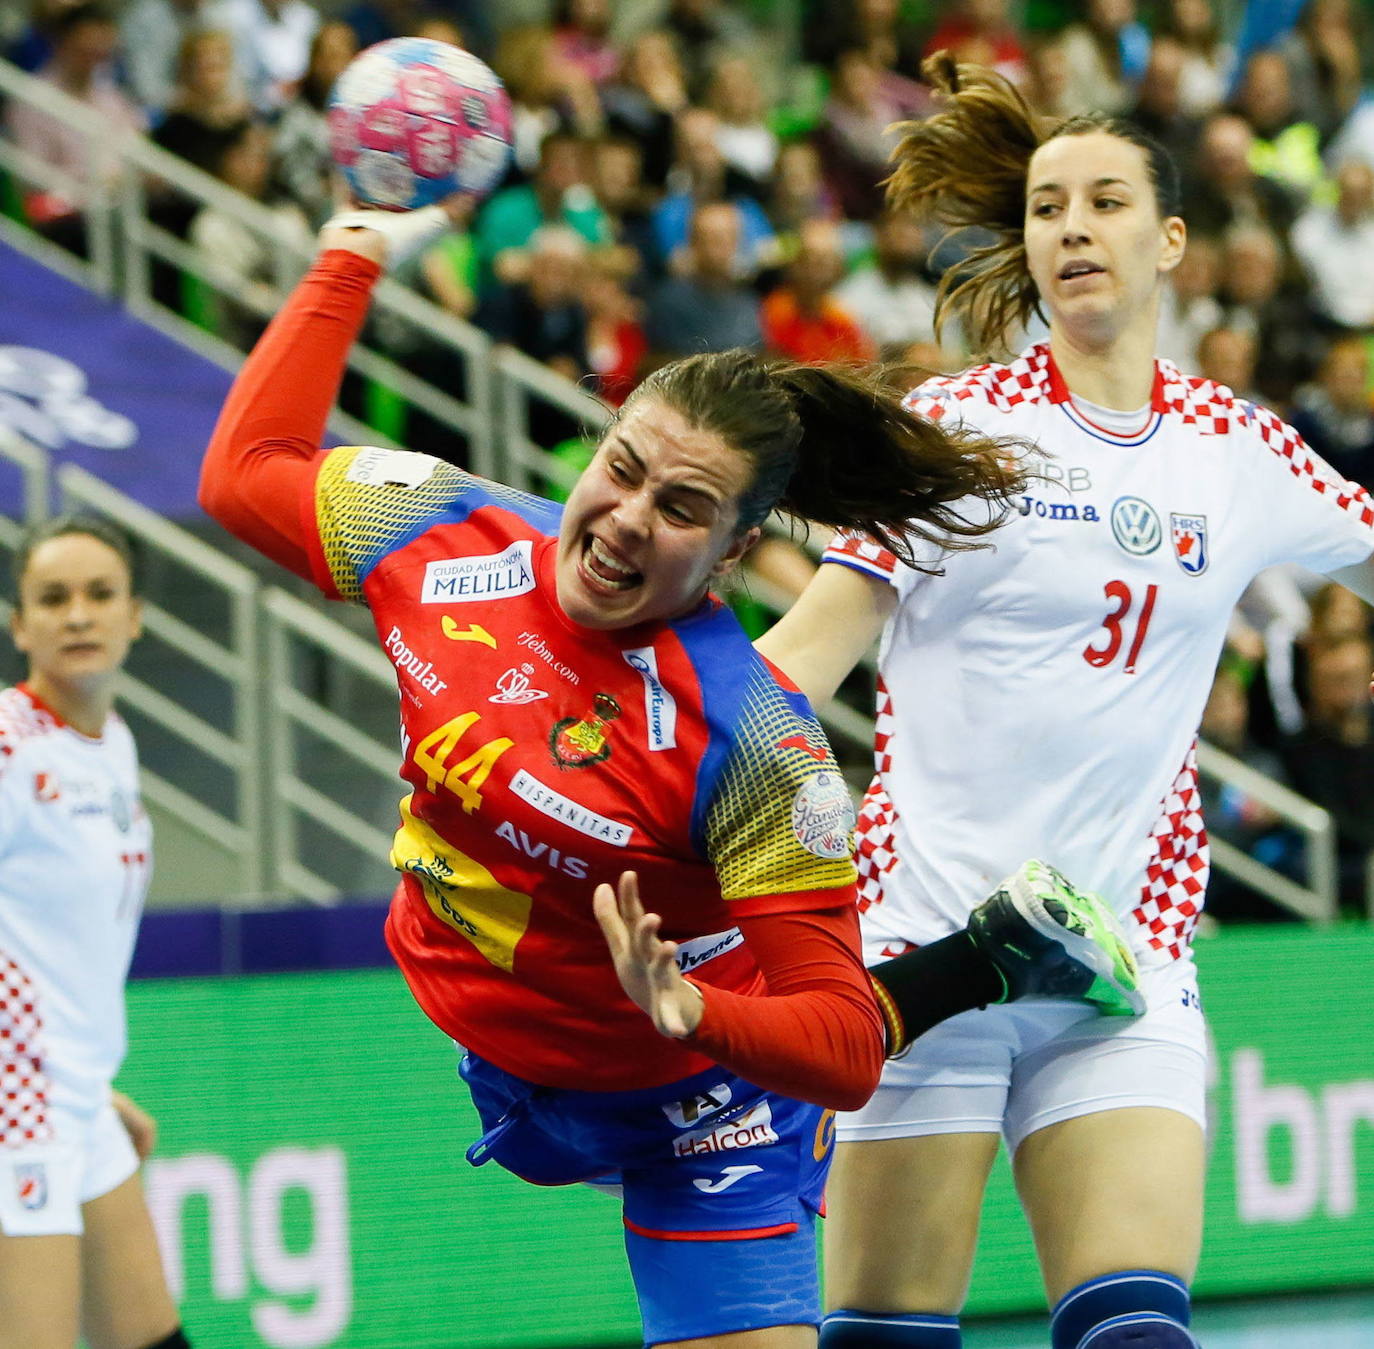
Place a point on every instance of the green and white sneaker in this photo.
(1050, 940)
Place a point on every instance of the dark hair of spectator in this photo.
(833, 445)
(314, 91)
(78, 16)
(557, 137)
(221, 142)
(1204, 40)
(966, 167)
(562, 14)
(59, 526)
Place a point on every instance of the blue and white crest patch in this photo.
(1191, 550)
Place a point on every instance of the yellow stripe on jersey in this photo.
(366, 500)
(461, 892)
(360, 514)
(780, 776)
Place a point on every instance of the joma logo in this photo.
(1057, 510)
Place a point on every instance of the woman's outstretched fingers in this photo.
(645, 964)
(613, 928)
(646, 938)
(627, 892)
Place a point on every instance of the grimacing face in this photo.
(652, 523)
(1096, 246)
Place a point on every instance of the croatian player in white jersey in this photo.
(77, 1248)
(1042, 698)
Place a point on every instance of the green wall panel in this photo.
(310, 1186)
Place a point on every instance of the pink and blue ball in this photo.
(412, 121)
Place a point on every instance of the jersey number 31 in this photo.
(1115, 624)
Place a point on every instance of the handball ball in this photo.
(412, 121)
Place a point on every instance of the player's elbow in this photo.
(212, 497)
(855, 1079)
(222, 497)
(215, 491)
(851, 1099)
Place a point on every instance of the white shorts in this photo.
(43, 1185)
(1020, 1067)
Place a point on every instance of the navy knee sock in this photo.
(845, 1328)
(1132, 1309)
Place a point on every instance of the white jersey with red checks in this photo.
(74, 867)
(1041, 697)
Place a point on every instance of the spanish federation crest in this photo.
(31, 1185)
(1189, 534)
(580, 742)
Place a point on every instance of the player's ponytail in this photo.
(863, 462)
(833, 445)
(965, 167)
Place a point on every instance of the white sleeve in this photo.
(1309, 513)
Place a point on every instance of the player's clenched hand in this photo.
(646, 965)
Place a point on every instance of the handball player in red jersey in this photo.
(581, 721)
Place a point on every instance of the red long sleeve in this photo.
(268, 435)
(818, 1034)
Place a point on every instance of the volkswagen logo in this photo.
(1136, 526)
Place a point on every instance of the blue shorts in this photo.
(722, 1182)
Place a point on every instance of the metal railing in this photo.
(1319, 900)
(273, 803)
(298, 782)
(230, 812)
(528, 387)
(35, 491)
(32, 502)
(127, 248)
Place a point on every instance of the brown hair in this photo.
(833, 445)
(966, 166)
(59, 526)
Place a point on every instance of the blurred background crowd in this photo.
(700, 174)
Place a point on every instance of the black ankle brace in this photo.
(176, 1340)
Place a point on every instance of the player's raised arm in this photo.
(260, 458)
(824, 635)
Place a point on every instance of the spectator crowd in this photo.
(686, 178)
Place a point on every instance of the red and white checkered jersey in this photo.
(75, 852)
(1042, 696)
